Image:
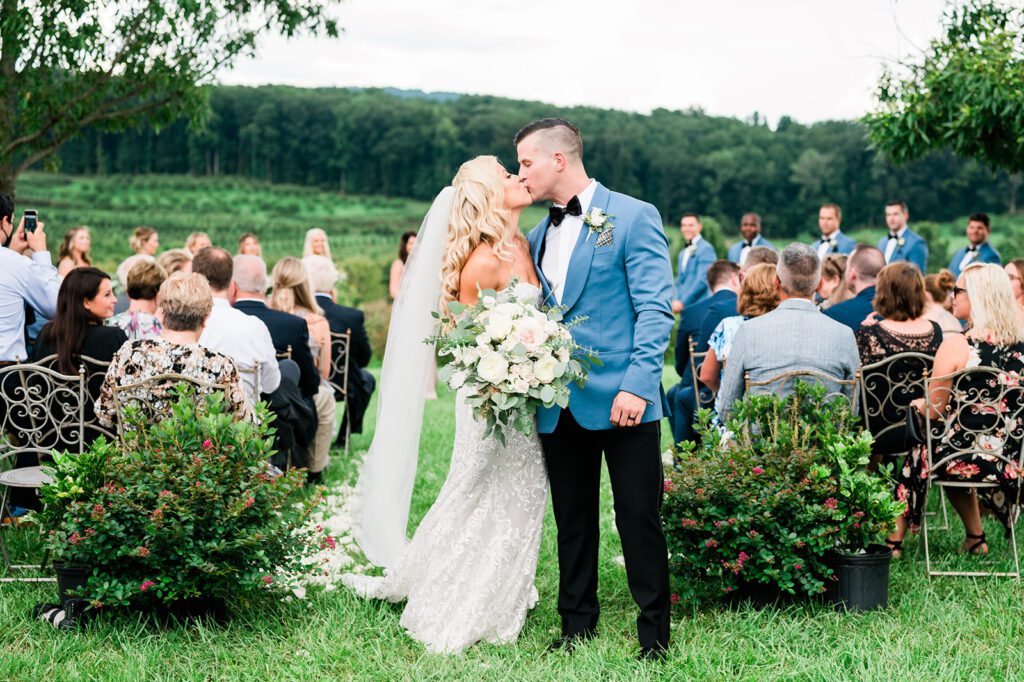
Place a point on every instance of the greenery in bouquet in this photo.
(770, 498)
(509, 356)
(187, 508)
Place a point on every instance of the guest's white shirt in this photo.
(891, 244)
(560, 241)
(246, 340)
(24, 280)
(824, 248)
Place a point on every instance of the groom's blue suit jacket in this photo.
(624, 289)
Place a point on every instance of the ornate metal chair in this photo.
(987, 417)
(340, 345)
(780, 383)
(696, 360)
(95, 372)
(41, 410)
(250, 377)
(152, 396)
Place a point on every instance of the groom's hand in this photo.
(627, 409)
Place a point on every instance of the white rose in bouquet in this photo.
(470, 354)
(544, 369)
(498, 326)
(562, 355)
(509, 309)
(530, 332)
(458, 379)
(551, 328)
(520, 386)
(493, 368)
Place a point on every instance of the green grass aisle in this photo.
(946, 629)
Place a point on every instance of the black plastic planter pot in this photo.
(69, 579)
(862, 580)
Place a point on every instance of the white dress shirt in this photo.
(560, 241)
(687, 252)
(246, 340)
(23, 280)
(824, 248)
(890, 244)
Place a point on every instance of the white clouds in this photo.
(809, 59)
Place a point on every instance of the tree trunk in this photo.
(7, 178)
(1015, 181)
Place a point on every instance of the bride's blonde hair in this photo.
(478, 215)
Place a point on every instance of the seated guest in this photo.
(832, 240)
(759, 255)
(243, 338)
(25, 283)
(139, 321)
(286, 330)
(978, 250)
(74, 250)
(994, 338)
(724, 281)
(122, 279)
(322, 277)
(175, 260)
(750, 233)
(292, 294)
(937, 289)
(694, 260)
(1015, 271)
(249, 245)
(900, 302)
(902, 242)
(757, 297)
(793, 337)
(196, 242)
(185, 302)
(145, 241)
(316, 244)
(85, 301)
(861, 272)
(833, 281)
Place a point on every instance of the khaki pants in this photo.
(326, 414)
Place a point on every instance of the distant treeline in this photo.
(377, 142)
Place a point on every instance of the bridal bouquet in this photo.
(512, 357)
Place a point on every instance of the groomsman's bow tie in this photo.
(689, 242)
(893, 235)
(825, 240)
(972, 249)
(748, 245)
(558, 213)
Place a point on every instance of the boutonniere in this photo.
(597, 222)
(901, 241)
(833, 245)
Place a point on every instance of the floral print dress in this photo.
(137, 325)
(140, 360)
(1003, 428)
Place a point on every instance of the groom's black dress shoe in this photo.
(568, 643)
(655, 654)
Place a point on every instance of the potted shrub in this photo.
(766, 511)
(184, 516)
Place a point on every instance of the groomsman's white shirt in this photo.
(687, 252)
(891, 244)
(246, 340)
(560, 241)
(824, 248)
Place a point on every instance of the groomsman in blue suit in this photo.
(750, 230)
(694, 261)
(832, 240)
(978, 250)
(902, 243)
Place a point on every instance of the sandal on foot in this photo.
(976, 547)
(897, 548)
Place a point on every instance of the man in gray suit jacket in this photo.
(795, 336)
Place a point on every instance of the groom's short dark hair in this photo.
(565, 133)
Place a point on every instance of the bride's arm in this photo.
(483, 270)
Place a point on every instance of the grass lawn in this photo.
(943, 629)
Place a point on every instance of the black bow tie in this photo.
(748, 245)
(825, 240)
(558, 213)
(972, 249)
(893, 235)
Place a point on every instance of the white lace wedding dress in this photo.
(468, 573)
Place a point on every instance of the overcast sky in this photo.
(809, 59)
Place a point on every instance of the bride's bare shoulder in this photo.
(482, 269)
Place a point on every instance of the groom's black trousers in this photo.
(573, 458)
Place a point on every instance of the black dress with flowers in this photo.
(1004, 434)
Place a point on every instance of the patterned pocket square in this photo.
(604, 239)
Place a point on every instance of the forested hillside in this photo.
(386, 143)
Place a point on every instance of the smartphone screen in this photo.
(30, 220)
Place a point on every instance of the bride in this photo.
(468, 573)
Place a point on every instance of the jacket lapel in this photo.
(583, 253)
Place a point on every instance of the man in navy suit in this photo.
(902, 243)
(323, 276)
(861, 274)
(750, 231)
(832, 239)
(978, 250)
(724, 280)
(694, 260)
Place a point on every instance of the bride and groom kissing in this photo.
(467, 574)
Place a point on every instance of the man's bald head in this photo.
(867, 261)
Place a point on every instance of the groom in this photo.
(617, 274)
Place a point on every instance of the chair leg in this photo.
(945, 513)
(1013, 542)
(3, 544)
(924, 535)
